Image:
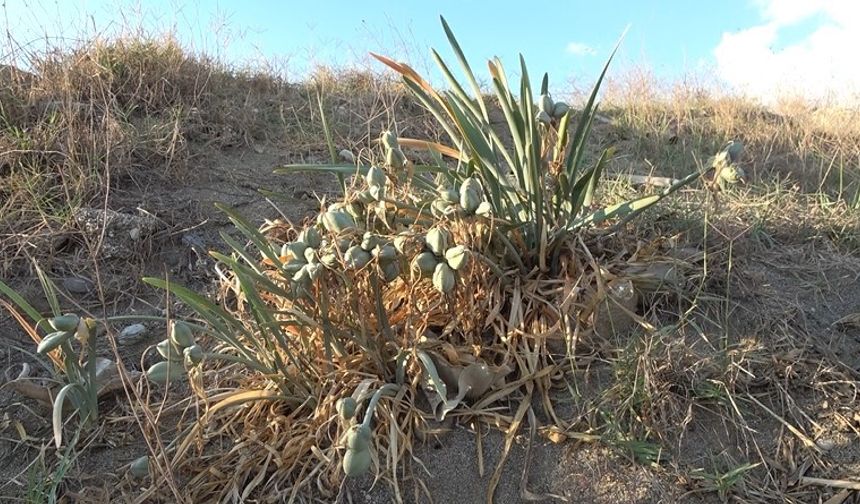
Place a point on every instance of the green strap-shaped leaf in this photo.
(465, 65)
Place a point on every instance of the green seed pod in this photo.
(329, 259)
(437, 241)
(52, 341)
(385, 253)
(733, 150)
(358, 437)
(559, 110)
(181, 335)
(440, 208)
(297, 249)
(314, 271)
(443, 278)
(390, 271)
(140, 467)
(311, 236)
(395, 158)
(370, 240)
(377, 193)
(302, 278)
(408, 244)
(543, 117)
(337, 222)
(471, 195)
(164, 371)
(168, 351)
(294, 264)
(356, 257)
(365, 197)
(193, 355)
(425, 263)
(375, 177)
(457, 257)
(448, 194)
(310, 255)
(346, 407)
(356, 462)
(67, 322)
(545, 104)
(343, 244)
(485, 209)
(356, 210)
(389, 140)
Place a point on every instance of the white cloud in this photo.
(580, 49)
(819, 65)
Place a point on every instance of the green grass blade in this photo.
(251, 232)
(20, 302)
(332, 150)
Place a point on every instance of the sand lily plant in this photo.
(428, 287)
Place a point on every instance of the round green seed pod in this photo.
(343, 244)
(294, 264)
(140, 467)
(457, 257)
(485, 209)
(545, 104)
(385, 253)
(559, 110)
(346, 407)
(310, 255)
(390, 271)
(543, 117)
(425, 263)
(169, 351)
(314, 271)
(193, 355)
(389, 140)
(377, 193)
(365, 197)
(441, 208)
(370, 240)
(408, 244)
(67, 322)
(356, 257)
(329, 259)
(181, 334)
(164, 371)
(302, 278)
(448, 194)
(437, 241)
(375, 177)
(53, 341)
(470, 200)
(337, 222)
(443, 278)
(311, 236)
(296, 249)
(356, 210)
(358, 437)
(395, 158)
(356, 462)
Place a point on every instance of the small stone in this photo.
(132, 334)
(134, 233)
(77, 285)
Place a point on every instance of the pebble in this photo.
(77, 285)
(132, 334)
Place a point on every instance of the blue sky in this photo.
(751, 44)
